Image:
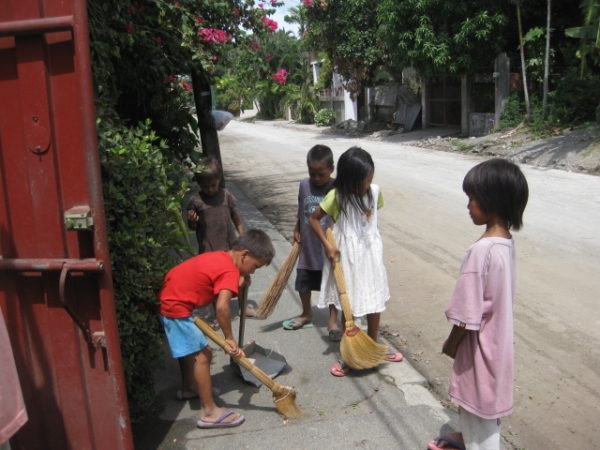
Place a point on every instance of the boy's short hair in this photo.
(500, 188)
(320, 154)
(211, 170)
(257, 242)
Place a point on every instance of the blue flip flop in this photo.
(295, 324)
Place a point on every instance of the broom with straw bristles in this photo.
(284, 397)
(357, 348)
(271, 297)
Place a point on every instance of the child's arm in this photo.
(451, 345)
(223, 314)
(315, 223)
(297, 235)
(235, 217)
(192, 215)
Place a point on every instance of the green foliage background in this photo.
(143, 192)
(143, 52)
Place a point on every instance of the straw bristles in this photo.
(357, 348)
(359, 351)
(285, 402)
(271, 297)
(284, 397)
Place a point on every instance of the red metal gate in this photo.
(55, 281)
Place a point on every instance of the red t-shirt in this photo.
(196, 282)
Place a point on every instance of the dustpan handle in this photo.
(241, 360)
(340, 282)
(242, 300)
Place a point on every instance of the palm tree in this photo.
(589, 33)
(297, 15)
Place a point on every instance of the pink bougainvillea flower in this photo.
(130, 28)
(268, 57)
(214, 58)
(186, 86)
(280, 76)
(308, 3)
(170, 79)
(236, 12)
(177, 4)
(273, 2)
(261, 5)
(254, 45)
(269, 23)
(213, 35)
(199, 20)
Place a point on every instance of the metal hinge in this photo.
(79, 218)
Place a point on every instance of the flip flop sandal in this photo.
(219, 423)
(295, 324)
(335, 335)
(439, 443)
(339, 369)
(393, 355)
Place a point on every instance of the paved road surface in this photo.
(426, 229)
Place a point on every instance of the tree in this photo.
(143, 52)
(438, 37)
(546, 61)
(346, 30)
(589, 34)
(523, 64)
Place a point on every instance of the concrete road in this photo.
(426, 230)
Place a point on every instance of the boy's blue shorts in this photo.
(184, 337)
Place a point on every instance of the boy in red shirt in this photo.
(212, 277)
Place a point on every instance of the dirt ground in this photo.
(426, 230)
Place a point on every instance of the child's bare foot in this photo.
(219, 418)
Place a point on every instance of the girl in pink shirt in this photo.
(480, 310)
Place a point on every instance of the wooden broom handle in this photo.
(340, 282)
(242, 360)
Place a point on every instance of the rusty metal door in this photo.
(55, 281)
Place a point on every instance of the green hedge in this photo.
(142, 193)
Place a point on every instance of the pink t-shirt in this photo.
(482, 376)
(12, 408)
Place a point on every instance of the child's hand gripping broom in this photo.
(283, 396)
(357, 348)
(271, 297)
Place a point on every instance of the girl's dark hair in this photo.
(257, 242)
(211, 170)
(354, 165)
(500, 188)
(320, 154)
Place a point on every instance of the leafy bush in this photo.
(575, 100)
(325, 117)
(142, 193)
(513, 112)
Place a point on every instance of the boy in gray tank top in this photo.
(311, 192)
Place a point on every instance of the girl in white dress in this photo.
(353, 204)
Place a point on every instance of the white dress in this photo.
(361, 255)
